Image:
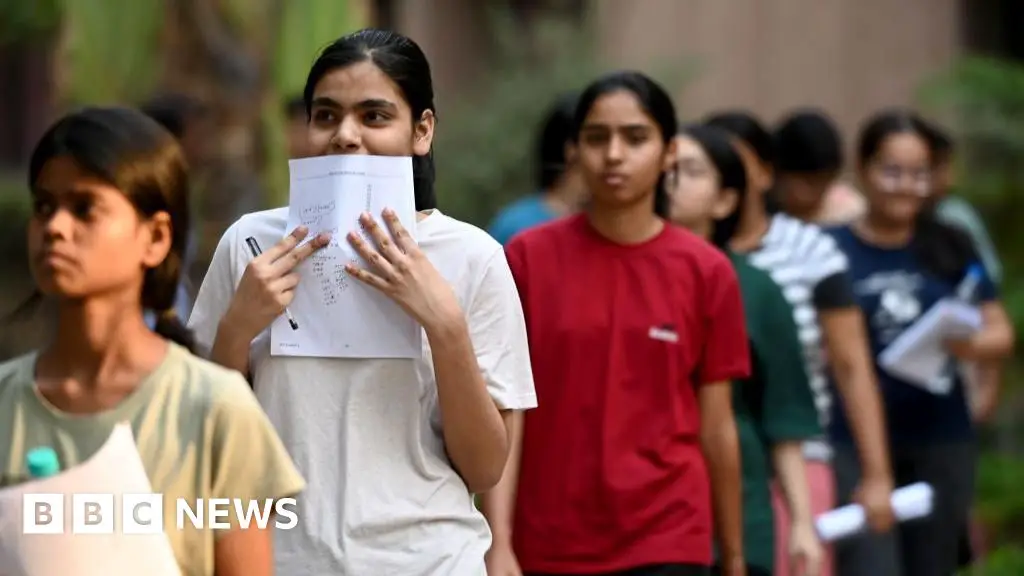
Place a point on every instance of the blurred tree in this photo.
(485, 142)
(220, 52)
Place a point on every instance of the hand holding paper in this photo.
(908, 503)
(339, 315)
(919, 354)
(403, 272)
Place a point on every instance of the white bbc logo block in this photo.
(42, 513)
(142, 513)
(92, 513)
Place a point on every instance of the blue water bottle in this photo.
(42, 462)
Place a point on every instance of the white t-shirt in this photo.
(382, 497)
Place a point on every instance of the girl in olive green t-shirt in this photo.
(108, 226)
(774, 408)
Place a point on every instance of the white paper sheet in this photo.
(918, 354)
(339, 316)
(117, 469)
(908, 503)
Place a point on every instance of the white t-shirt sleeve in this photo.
(498, 331)
(216, 291)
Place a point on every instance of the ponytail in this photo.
(170, 326)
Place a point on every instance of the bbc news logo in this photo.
(144, 513)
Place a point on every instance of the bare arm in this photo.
(984, 396)
(475, 433)
(244, 552)
(720, 443)
(847, 345)
(994, 342)
(788, 459)
(498, 504)
(230, 348)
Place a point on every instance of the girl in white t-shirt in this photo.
(392, 449)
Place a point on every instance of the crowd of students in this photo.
(660, 364)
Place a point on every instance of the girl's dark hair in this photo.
(174, 111)
(555, 133)
(944, 250)
(132, 152)
(747, 128)
(653, 99)
(720, 150)
(808, 141)
(939, 142)
(406, 65)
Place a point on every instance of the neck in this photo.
(633, 225)
(753, 225)
(812, 214)
(96, 338)
(559, 201)
(881, 232)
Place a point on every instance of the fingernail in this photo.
(389, 212)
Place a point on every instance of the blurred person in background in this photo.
(107, 234)
(983, 382)
(812, 272)
(636, 332)
(808, 162)
(954, 209)
(186, 118)
(903, 261)
(560, 190)
(393, 449)
(296, 126)
(774, 407)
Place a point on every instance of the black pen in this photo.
(255, 249)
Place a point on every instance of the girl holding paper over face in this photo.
(108, 229)
(393, 449)
(903, 262)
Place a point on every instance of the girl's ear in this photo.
(669, 161)
(725, 204)
(160, 231)
(423, 134)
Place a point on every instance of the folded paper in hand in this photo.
(117, 469)
(908, 503)
(919, 356)
(340, 316)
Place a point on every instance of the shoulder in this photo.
(516, 210)
(438, 231)
(206, 387)
(264, 222)
(805, 242)
(16, 373)
(685, 245)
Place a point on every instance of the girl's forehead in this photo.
(355, 83)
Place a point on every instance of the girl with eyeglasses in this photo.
(902, 261)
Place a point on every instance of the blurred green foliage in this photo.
(982, 100)
(110, 50)
(26, 20)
